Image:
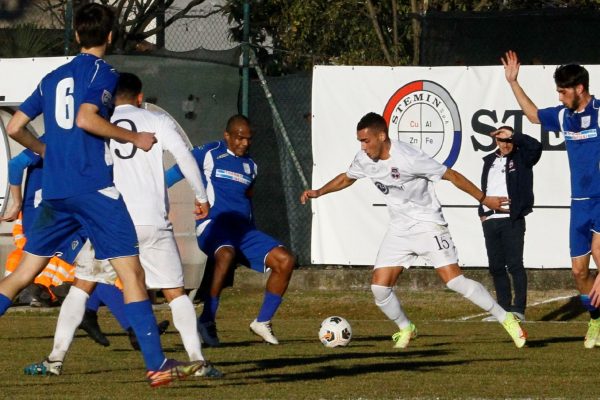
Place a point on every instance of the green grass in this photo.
(451, 358)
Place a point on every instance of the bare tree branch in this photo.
(375, 22)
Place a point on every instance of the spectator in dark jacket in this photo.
(509, 172)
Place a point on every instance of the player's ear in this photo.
(110, 37)
(77, 37)
(579, 89)
(140, 99)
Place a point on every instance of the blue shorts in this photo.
(585, 221)
(238, 233)
(102, 215)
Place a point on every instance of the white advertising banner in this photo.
(447, 112)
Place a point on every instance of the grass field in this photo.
(453, 357)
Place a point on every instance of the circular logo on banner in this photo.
(424, 115)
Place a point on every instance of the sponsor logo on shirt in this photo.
(395, 173)
(587, 134)
(234, 176)
(424, 114)
(384, 189)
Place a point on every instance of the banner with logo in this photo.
(447, 112)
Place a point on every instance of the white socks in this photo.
(70, 316)
(478, 295)
(184, 319)
(388, 302)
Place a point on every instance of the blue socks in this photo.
(209, 312)
(5, 302)
(112, 297)
(144, 325)
(269, 306)
(587, 304)
(94, 302)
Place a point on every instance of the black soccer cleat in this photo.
(90, 325)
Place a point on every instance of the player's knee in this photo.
(580, 273)
(282, 261)
(382, 294)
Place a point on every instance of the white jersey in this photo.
(139, 175)
(406, 179)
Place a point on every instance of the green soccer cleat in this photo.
(518, 334)
(403, 336)
(172, 370)
(44, 368)
(592, 335)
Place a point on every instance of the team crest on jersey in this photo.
(424, 115)
(395, 173)
(247, 168)
(585, 121)
(106, 98)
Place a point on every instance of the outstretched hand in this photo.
(511, 66)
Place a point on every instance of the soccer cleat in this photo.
(518, 334)
(403, 336)
(172, 370)
(208, 333)
(44, 368)
(264, 330)
(163, 326)
(90, 325)
(208, 370)
(593, 333)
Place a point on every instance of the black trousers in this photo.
(504, 240)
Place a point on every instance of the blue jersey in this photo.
(582, 138)
(226, 177)
(75, 161)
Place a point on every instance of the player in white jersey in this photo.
(139, 177)
(405, 176)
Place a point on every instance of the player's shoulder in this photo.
(217, 145)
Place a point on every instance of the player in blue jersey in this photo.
(228, 233)
(577, 119)
(75, 100)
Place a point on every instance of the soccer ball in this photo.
(335, 331)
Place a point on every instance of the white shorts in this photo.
(90, 269)
(159, 257)
(158, 254)
(425, 239)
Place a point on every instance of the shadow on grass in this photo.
(568, 311)
(546, 342)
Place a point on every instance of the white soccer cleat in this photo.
(44, 368)
(264, 330)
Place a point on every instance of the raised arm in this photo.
(340, 182)
(511, 72)
(458, 180)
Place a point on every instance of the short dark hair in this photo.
(93, 23)
(571, 75)
(234, 120)
(374, 121)
(129, 85)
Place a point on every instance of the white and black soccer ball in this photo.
(335, 331)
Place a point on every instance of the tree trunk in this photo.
(375, 22)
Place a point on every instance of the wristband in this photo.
(482, 199)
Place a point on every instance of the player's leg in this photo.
(514, 242)
(583, 243)
(435, 244)
(184, 319)
(29, 267)
(265, 253)
(222, 262)
(111, 231)
(69, 319)
(383, 281)
(493, 232)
